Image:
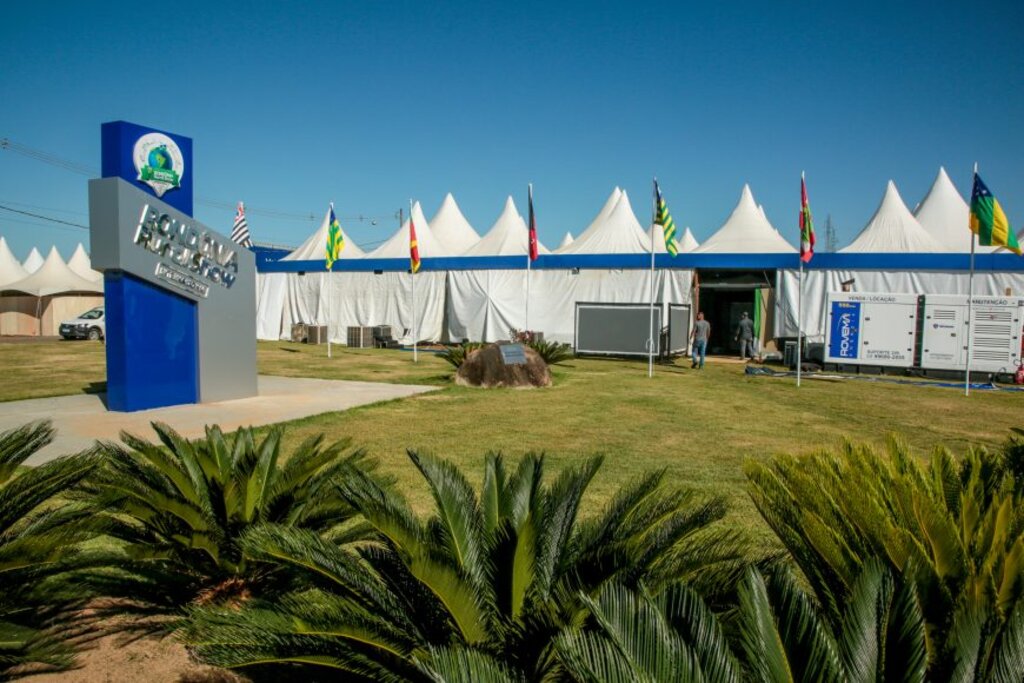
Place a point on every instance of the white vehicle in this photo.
(90, 325)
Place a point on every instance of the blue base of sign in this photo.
(152, 349)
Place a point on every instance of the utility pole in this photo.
(830, 234)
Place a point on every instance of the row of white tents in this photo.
(37, 294)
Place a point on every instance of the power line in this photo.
(42, 217)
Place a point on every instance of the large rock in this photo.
(486, 368)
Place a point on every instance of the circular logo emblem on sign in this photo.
(159, 162)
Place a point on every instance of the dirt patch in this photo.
(115, 659)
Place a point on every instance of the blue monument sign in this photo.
(180, 298)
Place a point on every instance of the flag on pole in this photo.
(335, 240)
(664, 219)
(533, 228)
(988, 221)
(240, 230)
(806, 224)
(414, 249)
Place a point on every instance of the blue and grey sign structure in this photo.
(180, 297)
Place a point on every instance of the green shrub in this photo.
(552, 352)
(456, 355)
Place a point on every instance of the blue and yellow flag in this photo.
(988, 221)
(664, 219)
(335, 240)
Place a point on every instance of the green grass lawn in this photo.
(698, 425)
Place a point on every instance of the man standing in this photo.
(700, 335)
(745, 336)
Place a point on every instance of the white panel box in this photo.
(996, 346)
(871, 329)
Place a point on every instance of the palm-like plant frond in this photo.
(179, 508)
(39, 540)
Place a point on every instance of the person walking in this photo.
(745, 336)
(700, 335)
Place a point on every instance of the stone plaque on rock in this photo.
(513, 354)
(487, 367)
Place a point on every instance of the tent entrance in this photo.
(724, 296)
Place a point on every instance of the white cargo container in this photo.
(996, 331)
(871, 328)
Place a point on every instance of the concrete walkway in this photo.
(82, 419)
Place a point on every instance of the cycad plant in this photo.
(177, 510)
(39, 538)
(484, 583)
(954, 531)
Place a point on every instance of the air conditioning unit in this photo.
(316, 334)
(299, 332)
(360, 337)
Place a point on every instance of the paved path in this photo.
(82, 419)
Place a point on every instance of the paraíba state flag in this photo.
(240, 230)
(806, 224)
(664, 219)
(988, 221)
(335, 240)
(414, 247)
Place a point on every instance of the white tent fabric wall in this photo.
(944, 215)
(33, 261)
(451, 228)
(271, 294)
(893, 229)
(366, 299)
(315, 246)
(11, 269)
(746, 231)
(80, 265)
(817, 284)
(484, 305)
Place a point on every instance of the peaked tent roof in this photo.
(80, 265)
(451, 228)
(315, 246)
(619, 233)
(687, 242)
(53, 277)
(893, 229)
(509, 236)
(746, 231)
(658, 233)
(566, 241)
(33, 261)
(944, 214)
(397, 246)
(10, 267)
(602, 215)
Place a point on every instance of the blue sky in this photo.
(368, 104)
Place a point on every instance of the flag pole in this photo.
(799, 302)
(970, 311)
(412, 274)
(529, 260)
(327, 279)
(650, 330)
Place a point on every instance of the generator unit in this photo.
(996, 332)
(871, 329)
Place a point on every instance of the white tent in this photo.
(451, 228)
(397, 246)
(599, 219)
(944, 214)
(746, 231)
(33, 261)
(509, 236)
(893, 229)
(658, 233)
(566, 241)
(54, 277)
(315, 246)
(11, 269)
(619, 233)
(687, 242)
(80, 265)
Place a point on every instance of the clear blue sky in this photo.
(293, 105)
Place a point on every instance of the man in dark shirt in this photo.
(700, 335)
(745, 336)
